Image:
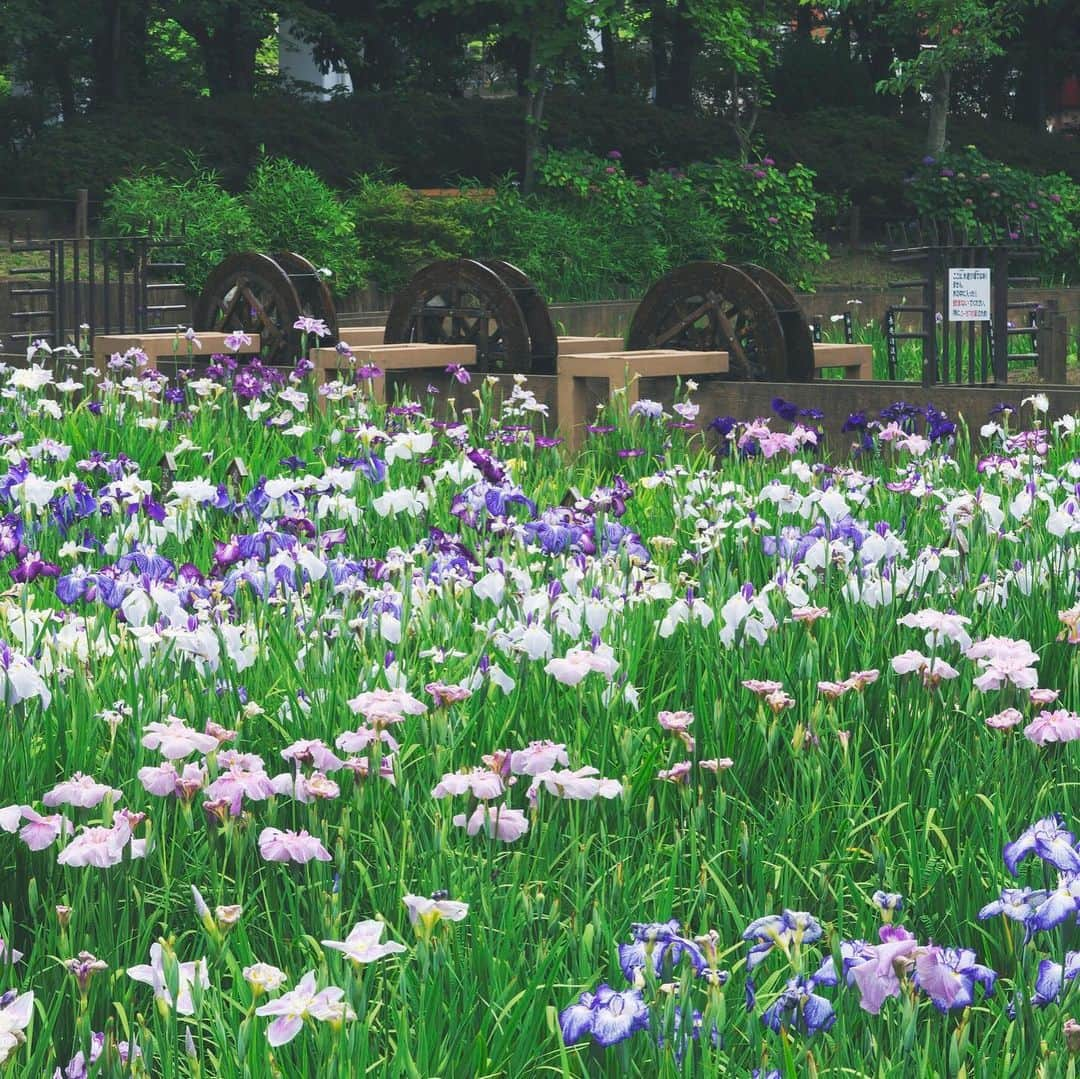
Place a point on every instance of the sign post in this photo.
(969, 294)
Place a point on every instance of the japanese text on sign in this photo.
(969, 295)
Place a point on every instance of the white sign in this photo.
(969, 295)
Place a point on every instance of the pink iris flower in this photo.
(278, 846)
(175, 740)
(497, 821)
(81, 791)
(302, 1003)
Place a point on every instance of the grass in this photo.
(897, 787)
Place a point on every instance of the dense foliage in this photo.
(973, 192)
(588, 230)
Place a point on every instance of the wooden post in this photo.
(82, 196)
(1052, 344)
(999, 314)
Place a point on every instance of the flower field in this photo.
(345, 740)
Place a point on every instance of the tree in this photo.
(554, 34)
(950, 33)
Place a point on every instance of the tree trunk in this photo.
(534, 116)
(661, 61)
(686, 44)
(804, 21)
(939, 113)
(607, 52)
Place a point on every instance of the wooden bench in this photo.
(165, 346)
(361, 336)
(622, 370)
(583, 346)
(856, 361)
(411, 357)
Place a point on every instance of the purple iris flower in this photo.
(799, 1008)
(610, 1017)
(75, 585)
(790, 927)
(491, 468)
(786, 410)
(1051, 977)
(655, 943)
(149, 563)
(1058, 906)
(954, 976)
(32, 567)
(11, 534)
(257, 500)
(1047, 839)
(1016, 904)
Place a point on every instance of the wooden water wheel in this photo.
(798, 338)
(491, 305)
(711, 306)
(265, 294)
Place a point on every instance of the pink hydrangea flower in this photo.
(278, 846)
(81, 791)
(504, 824)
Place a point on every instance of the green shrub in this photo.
(209, 221)
(971, 191)
(742, 213)
(286, 208)
(292, 209)
(767, 214)
(398, 231)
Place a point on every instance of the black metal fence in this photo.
(74, 289)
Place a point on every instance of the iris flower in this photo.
(1047, 839)
(608, 1016)
(302, 1003)
(799, 1008)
